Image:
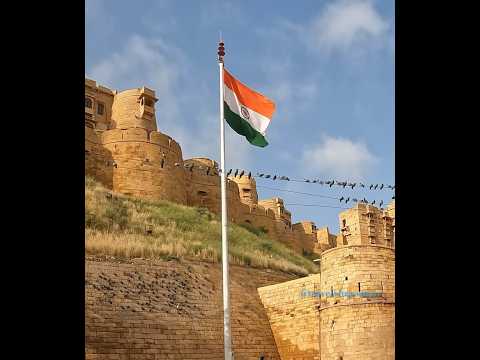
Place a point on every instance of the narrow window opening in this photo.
(88, 103)
(202, 193)
(162, 163)
(359, 287)
(100, 108)
(346, 277)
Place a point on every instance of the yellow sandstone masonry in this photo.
(171, 310)
(348, 311)
(125, 152)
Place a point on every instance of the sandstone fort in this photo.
(274, 315)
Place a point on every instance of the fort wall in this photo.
(294, 318)
(145, 164)
(169, 310)
(367, 224)
(360, 325)
(345, 312)
(127, 154)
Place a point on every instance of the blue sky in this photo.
(328, 66)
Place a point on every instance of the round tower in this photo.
(134, 108)
(357, 306)
(145, 163)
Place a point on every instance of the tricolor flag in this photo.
(246, 111)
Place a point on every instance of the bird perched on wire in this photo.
(371, 186)
(341, 199)
(274, 177)
(314, 181)
(365, 201)
(381, 187)
(376, 186)
(229, 172)
(241, 174)
(373, 202)
(381, 203)
(260, 175)
(267, 176)
(331, 183)
(393, 197)
(352, 185)
(236, 173)
(362, 185)
(306, 180)
(346, 201)
(249, 175)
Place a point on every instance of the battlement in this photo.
(126, 152)
(247, 189)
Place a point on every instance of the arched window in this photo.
(88, 103)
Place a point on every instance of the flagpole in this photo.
(226, 297)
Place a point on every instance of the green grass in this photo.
(117, 225)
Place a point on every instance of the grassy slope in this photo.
(116, 225)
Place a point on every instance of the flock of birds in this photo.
(241, 173)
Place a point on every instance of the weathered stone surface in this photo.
(341, 316)
(172, 310)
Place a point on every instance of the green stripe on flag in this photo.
(242, 127)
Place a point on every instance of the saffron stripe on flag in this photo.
(248, 97)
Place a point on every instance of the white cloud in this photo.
(340, 158)
(345, 23)
(182, 110)
(149, 62)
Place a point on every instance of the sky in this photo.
(327, 65)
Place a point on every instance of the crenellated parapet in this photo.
(125, 152)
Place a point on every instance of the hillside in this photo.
(125, 227)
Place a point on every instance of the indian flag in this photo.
(246, 111)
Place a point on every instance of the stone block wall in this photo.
(343, 316)
(98, 160)
(358, 268)
(141, 310)
(145, 164)
(294, 318)
(367, 224)
(126, 153)
(359, 331)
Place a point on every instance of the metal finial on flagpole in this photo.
(225, 283)
(221, 51)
